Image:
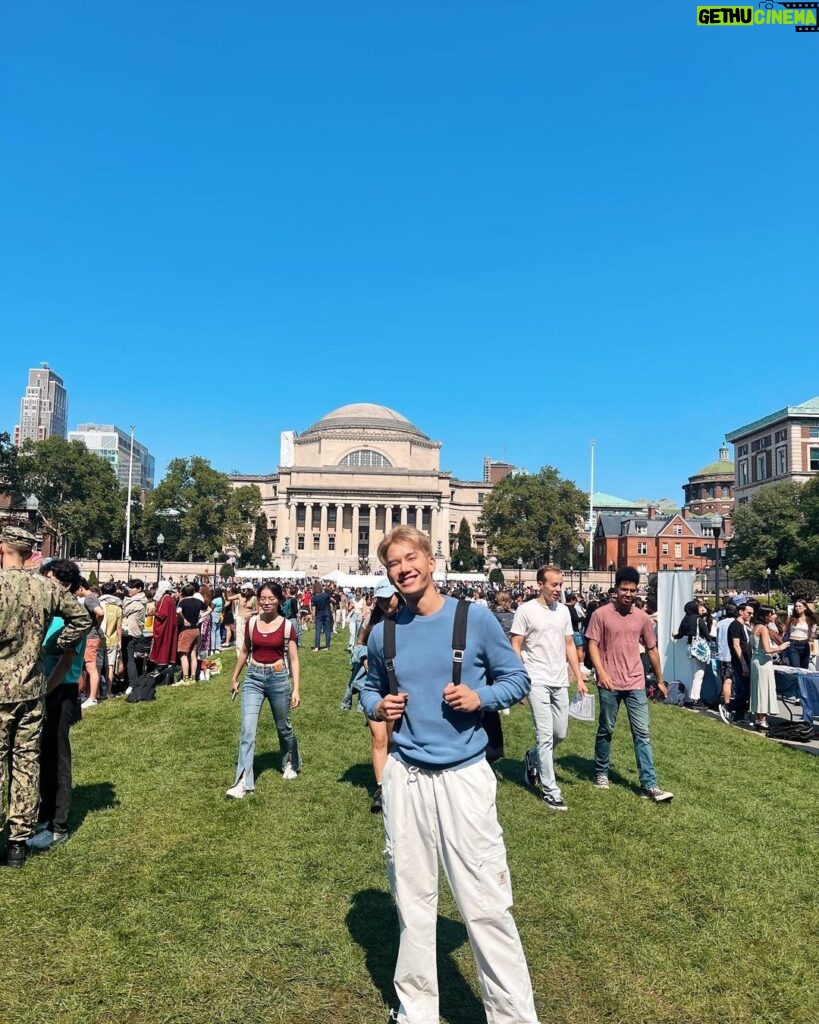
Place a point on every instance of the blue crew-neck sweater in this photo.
(431, 734)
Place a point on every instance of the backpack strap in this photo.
(251, 625)
(459, 640)
(389, 653)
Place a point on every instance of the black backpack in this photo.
(144, 688)
(490, 720)
(796, 732)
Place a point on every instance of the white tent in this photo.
(460, 577)
(271, 574)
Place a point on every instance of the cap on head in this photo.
(384, 589)
(17, 535)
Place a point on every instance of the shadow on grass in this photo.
(360, 775)
(583, 768)
(270, 761)
(97, 796)
(372, 924)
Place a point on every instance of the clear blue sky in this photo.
(523, 225)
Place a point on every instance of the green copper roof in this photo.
(602, 500)
(809, 408)
(722, 467)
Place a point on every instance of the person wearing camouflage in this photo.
(28, 602)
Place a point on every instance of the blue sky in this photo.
(522, 225)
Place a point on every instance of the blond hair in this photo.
(405, 535)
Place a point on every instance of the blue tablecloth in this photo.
(809, 694)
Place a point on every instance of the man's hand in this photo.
(391, 708)
(582, 689)
(662, 687)
(604, 680)
(461, 698)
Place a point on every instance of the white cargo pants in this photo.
(452, 815)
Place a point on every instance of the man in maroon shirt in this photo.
(614, 635)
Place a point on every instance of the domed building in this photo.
(349, 478)
(710, 490)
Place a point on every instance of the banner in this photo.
(674, 590)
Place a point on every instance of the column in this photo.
(404, 509)
(339, 530)
(308, 527)
(354, 549)
(419, 517)
(292, 530)
(433, 530)
(323, 534)
(387, 519)
(373, 545)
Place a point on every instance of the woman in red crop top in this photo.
(270, 644)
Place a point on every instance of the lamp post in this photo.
(727, 576)
(571, 577)
(128, 561)
(160, 540)
(99, 559)
(520, 571)
(611, 575)
(768, 578)
(580, 570)
(32, 508)
(215, 560)
(716, 526)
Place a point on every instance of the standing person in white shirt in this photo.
(543, 638)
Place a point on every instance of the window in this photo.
(782, 435)
(678, 550)
(481, 496)
(300, 542)
(690, 550)
(316, 541)
(690, 566)
(781, 461)
(642, 547)
(665, 565)
(366, 458)
(677, 530)
(813, 432)
(814, 460)
(300, 515)
(743, 473)
(642, 568)
(665, 548)
(760, 466)
(641, 529)
(331, 542)
(742, 449)
(331, 515)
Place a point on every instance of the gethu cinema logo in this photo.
(803, 16)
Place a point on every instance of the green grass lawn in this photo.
(172, 904)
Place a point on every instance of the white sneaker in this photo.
(289, 772)
(238, 791)
(128, 690)
(88, 703)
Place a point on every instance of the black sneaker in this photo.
(16, 853)
(659, 796)
(724, 713)
(530, 770)
(377, 805)
(555, 802)
(393, 1017)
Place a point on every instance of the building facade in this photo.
(779, 447)
(710, 491)
(343, 483)
(43, 407)
(653, 542)
(114, 445)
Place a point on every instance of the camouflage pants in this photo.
(21, 725)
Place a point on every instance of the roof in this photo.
(809, 408)
(365, 416)
(602, 500)
(722, 467)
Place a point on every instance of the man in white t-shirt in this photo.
(543, 638)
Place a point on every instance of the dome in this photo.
(364, 416)
(719, 468)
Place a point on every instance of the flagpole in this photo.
(128, 507)
(591, 508)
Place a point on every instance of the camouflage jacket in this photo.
(28, 602)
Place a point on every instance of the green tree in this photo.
(196, 510)
(259, 550)
(496, 576)
(11, 471)
(77, 490)
(534, 517)
(770, 533)
(465, 558)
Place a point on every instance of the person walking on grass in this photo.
(543, 637)
(270, 645)
(438, 789)
(614, 635)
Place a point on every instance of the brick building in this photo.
(653, 542)
(710, 490)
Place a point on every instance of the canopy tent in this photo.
(348, 579)
(460, 577)
(271, 574)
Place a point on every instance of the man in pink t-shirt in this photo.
(614, 634)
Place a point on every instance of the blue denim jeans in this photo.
(637, 710)
(262, 683)
(324, 626)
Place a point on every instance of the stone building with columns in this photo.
(348, 479)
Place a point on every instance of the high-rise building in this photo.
(113, 444)
(43, 408)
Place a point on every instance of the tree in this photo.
(770, 533)
(11, 471)
(496, 576)
(534, 517)
(196, 510)
(464, 556)
(258, 551)
(77, 490)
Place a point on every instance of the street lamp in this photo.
(99, 559)
(579, 550)
(520, 570)
(768, 577)
(571, 577)
(160, 540)
(727, 576)
(611, 575)
(716, 526)
(128, 561)
(215, 560)
(32, 507)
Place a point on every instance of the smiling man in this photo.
(614, 635)
(439, 791)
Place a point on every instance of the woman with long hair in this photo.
(763, 681)
(800, 629)
(270, 647)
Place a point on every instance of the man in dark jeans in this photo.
(739, 633)
(134, 608)
(323, 616)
